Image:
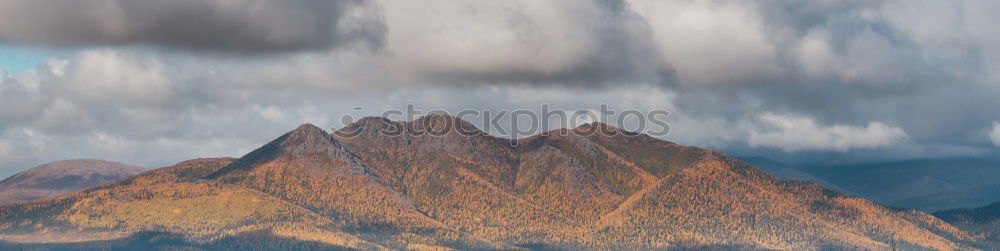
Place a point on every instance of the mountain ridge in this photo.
(983, 221)
(926, 185)
(382, 183)
(61, 177)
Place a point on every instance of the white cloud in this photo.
(5, 148)
(272, 113)
(995, 133)
(57, 66)
(93, 88)
(791, 134)
(868, 59)
(710, 42)
(491, 37)
(23, 144)
(815, 55)
(695, 58)
(61, 113)
(98, 75)
(3, 79)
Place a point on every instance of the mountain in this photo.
(984, 221)
(962, 198)
(785, 171)
(172, 204)
(438, 182)
(61, 177)
(926, 185)
(919, 184)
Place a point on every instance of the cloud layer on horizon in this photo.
(793, 134)
(752, 77)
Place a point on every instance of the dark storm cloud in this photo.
(225, 25)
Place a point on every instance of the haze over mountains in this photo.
(61, 177)
(928, 185)
(386, 184)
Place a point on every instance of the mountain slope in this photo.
(963, 198)
(438, 182)
(307, 168)
(926, 185)
(61, 177)
(449, 170)
(895, 180)
(984, 221)
(784, 171)
(572, 185)
(722, 201)
(167, 200)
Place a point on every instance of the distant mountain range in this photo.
(983, 221)
(61, 177)
(928, 185)
(381, 184)
(785, 171)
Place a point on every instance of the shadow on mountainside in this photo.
(259, 240)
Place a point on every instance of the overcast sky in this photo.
(152, 82)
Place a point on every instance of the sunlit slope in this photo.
(165, 200)
(386, 184)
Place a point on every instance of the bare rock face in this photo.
(61, 177)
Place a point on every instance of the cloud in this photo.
(910, 76)
(5, 149)
(577, 43)
(251, 26)
(710, 42)
(791, 133)
(995, 133)
(518, 32)
(543, 42)
(64, 95)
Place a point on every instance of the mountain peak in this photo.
(597, 124)
(443, 124)
(307, 143)
(308, 128)
(436, 124)
(306, 139)
(369, 123)
(602, 128)
(440, 118)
